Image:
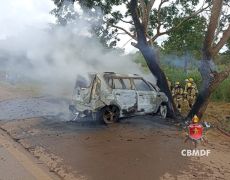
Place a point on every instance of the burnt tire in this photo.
(108, 115)
(163, 111)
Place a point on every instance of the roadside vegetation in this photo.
(175, 71)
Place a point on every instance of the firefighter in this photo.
(185, 89)
(177, 93)
(193, 84)
(169, 84)
(191, 94)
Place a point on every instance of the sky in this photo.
(17, 16)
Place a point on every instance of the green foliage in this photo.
(178, 74)
(222, 93)
(165, 15)
(223, 59)
(186, 38)
(93, 10)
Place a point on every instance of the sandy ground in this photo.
(17, 163)
(144, 147)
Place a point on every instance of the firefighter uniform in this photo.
(177, 93)
(185, 89)
(193, 84)
(191, 94)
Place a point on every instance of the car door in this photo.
(146, 96)
(125, 94)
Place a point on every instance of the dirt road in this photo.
(17, 163)
(144, 147)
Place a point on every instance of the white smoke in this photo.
(54, 55)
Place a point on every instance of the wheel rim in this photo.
(163, 111)
(111, 114)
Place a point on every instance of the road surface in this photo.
(16, 163)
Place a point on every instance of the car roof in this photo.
(113, 74)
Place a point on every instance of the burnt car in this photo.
(109, 96)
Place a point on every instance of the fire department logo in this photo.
(195, 131)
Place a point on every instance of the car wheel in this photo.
(109, 114)
(163, 111)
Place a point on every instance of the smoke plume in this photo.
(53, 56)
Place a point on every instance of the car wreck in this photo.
(109, 96)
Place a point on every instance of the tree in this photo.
(187, 38)
(214, 40)
(155, 16)
(147, 21)
(145, 39)
(65, 13)
(228, 47)
(210, 78)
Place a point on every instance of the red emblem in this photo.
(195, 131)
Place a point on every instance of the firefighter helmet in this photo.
(186, 80)
(177, 83)
(195, 119)
(191, 79)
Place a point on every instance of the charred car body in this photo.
(110, 96)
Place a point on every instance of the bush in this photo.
(222, 93)
(178, 74)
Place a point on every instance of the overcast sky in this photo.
(17, 16)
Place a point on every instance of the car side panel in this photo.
(146, 101)
(126, 99)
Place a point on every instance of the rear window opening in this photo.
(84, 82)
(118, 83)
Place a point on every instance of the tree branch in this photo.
(212, 26)
(179, 24)
(141, 39)
(129, 22)
(221, 43)
(150, 5)
(221, 76)
(225, 73)
(158, 15)
(124, 30)
(144, 15)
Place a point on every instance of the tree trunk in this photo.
(151, 58)
(210, 81)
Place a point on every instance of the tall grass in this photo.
(222, 93)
